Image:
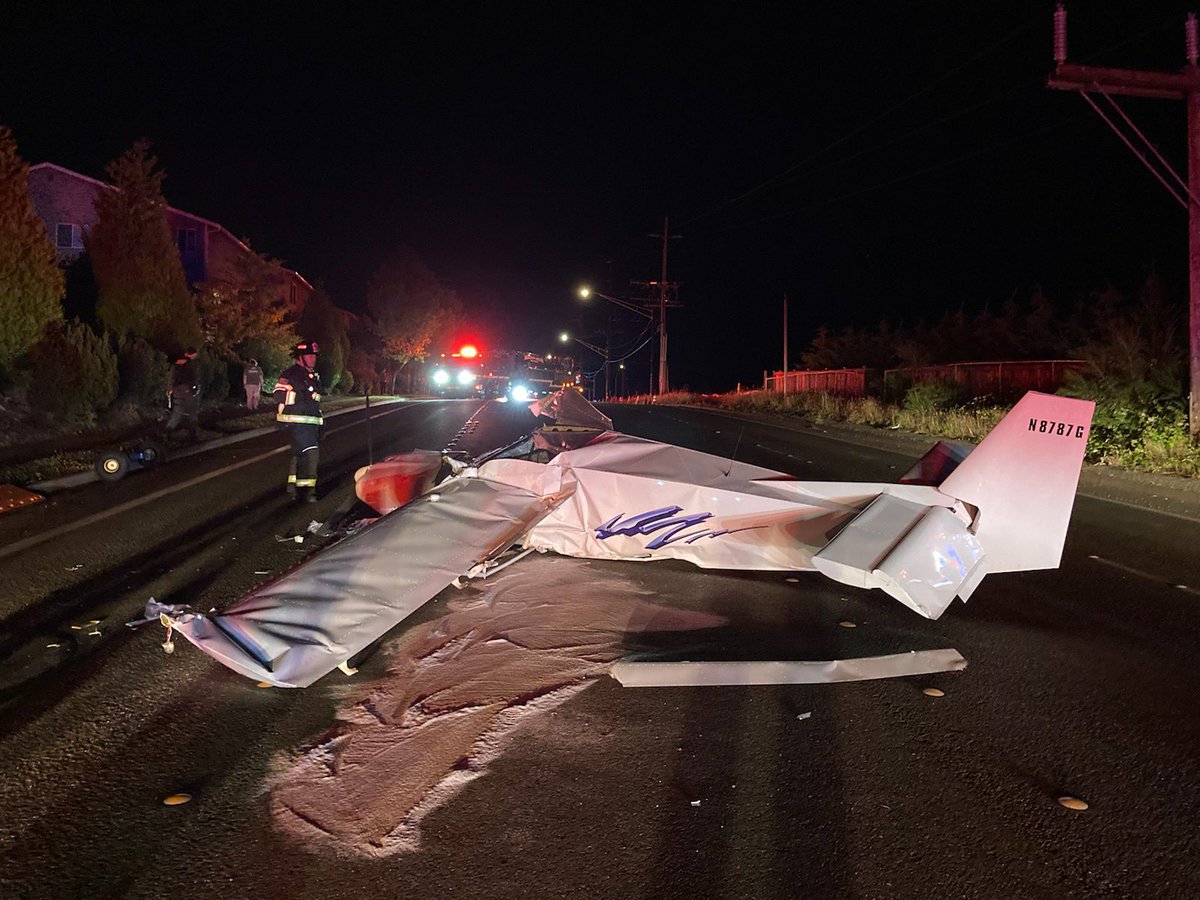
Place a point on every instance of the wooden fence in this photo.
(845, 382)
(1004, 379)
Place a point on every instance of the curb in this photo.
(78, 479)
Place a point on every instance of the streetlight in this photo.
(586, 292)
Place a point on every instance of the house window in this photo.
(186, 238)
(67, 236)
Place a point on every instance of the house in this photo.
(66, 203)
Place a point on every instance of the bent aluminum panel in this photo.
(293, 630)
(928, 567)
(694, 674)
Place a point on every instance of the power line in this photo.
(906, 177)
(941, 79)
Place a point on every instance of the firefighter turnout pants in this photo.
(305, 455)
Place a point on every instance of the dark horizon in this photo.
(882, 164)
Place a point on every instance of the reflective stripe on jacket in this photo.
(298, 394)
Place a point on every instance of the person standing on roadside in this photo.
(252, 381)
(185, 393)
(298, 395)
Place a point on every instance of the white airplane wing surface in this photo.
(293, 630)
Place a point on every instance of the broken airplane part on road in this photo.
(579, 488)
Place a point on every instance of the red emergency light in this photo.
(468, 351)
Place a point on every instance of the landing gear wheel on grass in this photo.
(112, 465)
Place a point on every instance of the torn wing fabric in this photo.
(570, 408)
(293, 630)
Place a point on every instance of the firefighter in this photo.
(298, 395)
(185, 393)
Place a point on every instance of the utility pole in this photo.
(1183, 85)
(666, 297)
(785, 344)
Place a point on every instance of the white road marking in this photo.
(1147, 575)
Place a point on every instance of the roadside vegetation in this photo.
(1152, 438)
(87, 344)
(1133, 349)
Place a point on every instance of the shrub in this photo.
(928, 396)
(145, 374)
(74, 373)
(213, 374)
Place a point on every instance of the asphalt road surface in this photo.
(1081, 682)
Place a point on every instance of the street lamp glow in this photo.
(564, 337)
(585, 292)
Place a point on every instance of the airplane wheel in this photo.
(112, 465)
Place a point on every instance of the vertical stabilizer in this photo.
(1022, 478)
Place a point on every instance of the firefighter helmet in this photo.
(306, 347)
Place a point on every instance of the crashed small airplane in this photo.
(581, 489)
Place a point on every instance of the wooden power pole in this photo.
(664, 295)
(1183, 85)
(785, 345)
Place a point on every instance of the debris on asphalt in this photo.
(933, 692)
(1073, 803)
(262, 572)
(151, 613)
(802, 716)
(52, 646)
(95, 633)
(792, 580)
(847, 624)
(75, 568)
(695, 803)
(176, 799)
(633, 673)
(265, 684)
(313, 527)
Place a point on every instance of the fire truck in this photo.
(517, 374)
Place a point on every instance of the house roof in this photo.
(215, 226)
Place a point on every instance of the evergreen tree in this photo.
(31, 283)
(142, 289)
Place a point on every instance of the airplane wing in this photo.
(293, 630)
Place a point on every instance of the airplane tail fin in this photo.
(1022, 479)
(1020, 486)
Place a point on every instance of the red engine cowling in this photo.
(394, 481)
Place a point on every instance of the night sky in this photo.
(869, 159)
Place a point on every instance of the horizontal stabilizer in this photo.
(936, 465)
(922, 555)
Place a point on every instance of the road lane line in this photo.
(1147, 575)
(37, 539)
